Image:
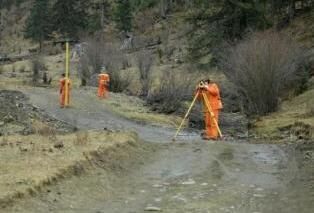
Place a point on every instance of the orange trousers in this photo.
(62, 98)
(211, 130)
(102, 92)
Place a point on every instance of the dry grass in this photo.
(135, 109)
(81, 138)
(42, 129)
(53, 64)
(28, 163)
(298, 109)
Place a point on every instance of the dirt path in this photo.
(88, 113)
(182, 177)
(199, 177)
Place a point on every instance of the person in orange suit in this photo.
(62, 92)
(103, 85)
(211, 90)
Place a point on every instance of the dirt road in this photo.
(87, 112)
(183, 177)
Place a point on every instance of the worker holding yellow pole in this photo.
(103, 84)
(210, 95)
(65, 82)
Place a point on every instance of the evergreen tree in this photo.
(37, 24)
(69, 17)
(215, 22)
(123, 15)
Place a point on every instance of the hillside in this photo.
(166, 40)
(108, 135)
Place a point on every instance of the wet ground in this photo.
(188, 176)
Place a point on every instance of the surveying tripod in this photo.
(200, 90)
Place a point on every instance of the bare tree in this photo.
(261, 67)
(96, 54)
(38, 66)
(144, 62)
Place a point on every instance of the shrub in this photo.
(95, 54)
(172, 91)
(22, 69)
(144, 62)
(261, 67)
(81, 138)
(37, 66)
(13, 68)
(119, 81)
(43, 129)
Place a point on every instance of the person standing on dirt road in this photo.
(62, 91)
(103, 85)
(211, 91)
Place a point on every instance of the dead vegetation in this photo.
(38, 67)
(174, 88)
(144, 63)
(297, 131)
(98, 56)
(278, 124)
(42, 129)
(81, 138)
(262, 67)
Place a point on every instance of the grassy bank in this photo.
(294, 120)
(29, 163)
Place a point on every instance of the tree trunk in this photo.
(291, 11)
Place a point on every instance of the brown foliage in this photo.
(145, 62)
(96, 54)
(261, 67)
(172, 91)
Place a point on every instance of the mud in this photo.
(188, 176)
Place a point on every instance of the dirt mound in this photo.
(17, 115)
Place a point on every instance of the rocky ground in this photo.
(18, 116)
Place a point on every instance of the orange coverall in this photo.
(62, 83)
(103, 85)
(213, 95)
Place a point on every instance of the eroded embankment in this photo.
(30, 163)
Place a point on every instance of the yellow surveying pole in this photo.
(186, 115)
(66, 102)
(212, 114)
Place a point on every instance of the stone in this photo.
(188, 182)
(152, 209)
(58, 145)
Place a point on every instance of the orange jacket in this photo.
(213, 95)
(62, 84)
(103, 80)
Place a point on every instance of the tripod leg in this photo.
(186, 115)
(212, 114)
